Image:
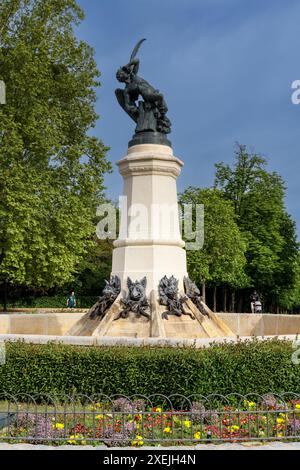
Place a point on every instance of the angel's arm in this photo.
(133, 66)
(136, 65)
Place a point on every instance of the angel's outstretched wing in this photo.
(121, 100)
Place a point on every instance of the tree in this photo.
(258, 199)
(94, 269)
(289, 299)
(287, 293)
(51, 178)
(221, 261)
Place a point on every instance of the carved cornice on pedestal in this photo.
(119, 243)
(150, 159)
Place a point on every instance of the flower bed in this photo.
(124, 422)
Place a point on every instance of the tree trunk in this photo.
(204, 291)
(240, 304)
(225, 300)
(5, 299)
(215, 299)
(232, 307)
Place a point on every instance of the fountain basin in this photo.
(57, 324)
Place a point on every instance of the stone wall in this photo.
(59, 323)
(247, 324)
(38, 323)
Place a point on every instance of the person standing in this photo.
(255, 299)
(71, 301)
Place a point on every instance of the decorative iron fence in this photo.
(140, 420)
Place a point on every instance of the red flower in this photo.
(79, 429)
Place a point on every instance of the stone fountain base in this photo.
(207, 325)
(46, 325)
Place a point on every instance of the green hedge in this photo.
(56, 301)
(241, 368)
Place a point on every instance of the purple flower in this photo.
(119, 438)
(200, 414)
(294, 427)
(126, 406)
(38, 427)
(270, 401)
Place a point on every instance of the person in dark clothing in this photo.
(71, 301)
(255, 302)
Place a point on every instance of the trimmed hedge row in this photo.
(245, 367)
(57, 301)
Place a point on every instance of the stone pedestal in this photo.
(150, 245)
(149, 242)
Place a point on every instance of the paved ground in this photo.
(243, 446)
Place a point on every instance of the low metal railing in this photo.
(139, 420)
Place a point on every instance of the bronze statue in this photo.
(169, 296)
(194, 294)
(149, 113)
(136, 300)
(109, 294)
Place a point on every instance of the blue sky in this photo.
(225, 68)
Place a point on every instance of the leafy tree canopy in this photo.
(258, 199)
(221, 260)
(51, 167)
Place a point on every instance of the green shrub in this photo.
(56, 301)
(244, 367)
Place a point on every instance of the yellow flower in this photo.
(138, 441)
(75, 439)
(158, 410)
(137, 425)
(249, 404)
(95, 406)
(167, 429)
(187, 423)
(233, 428)
(72, 441)
(58, 426)
(99, 417)
(197, 435)
(297, 406)
(280, 420)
